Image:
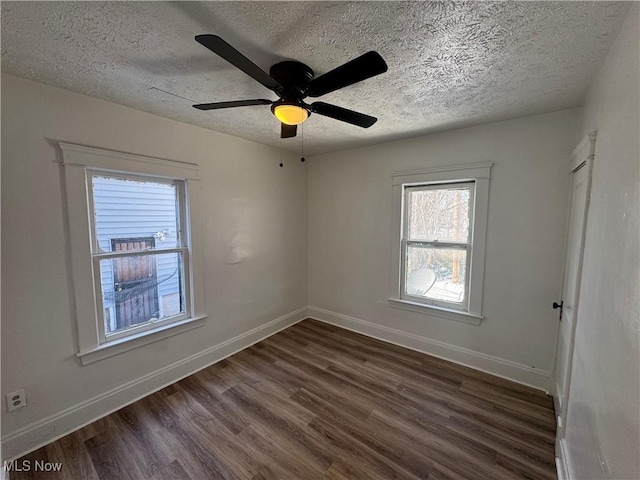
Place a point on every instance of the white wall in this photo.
(348, 255)
(603, 424)
(350, 242)
(246, 197)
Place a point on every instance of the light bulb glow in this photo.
(290, 114)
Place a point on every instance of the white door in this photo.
(580, 184)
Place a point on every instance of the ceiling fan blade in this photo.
(237, 103)
(288, 131)
(235, 58)
(365, 66)
(342, 114)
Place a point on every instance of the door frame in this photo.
(582, 156)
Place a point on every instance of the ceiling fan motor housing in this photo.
(294, 78)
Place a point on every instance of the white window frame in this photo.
(98, 254)
(477, 174)
(80, 164)
(467, 246)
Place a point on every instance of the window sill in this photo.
(434, 311)
(122, 345)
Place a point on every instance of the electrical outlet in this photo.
(16, 400)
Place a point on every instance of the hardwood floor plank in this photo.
(284, 387)
(285, 427)
(420, 374)
(372, 346)
(318, 380)
(76, 462)
(265, 473)
(173, 471)
(485, 411)
(285, 463)
(367, 346)
(390, 399)
(521, 470)
(214, 377)
(399, 453)
(225, 412)
(333, 392)
(501, 440)
(356, 453)
(468, 461)
(318, 402)
(109, 458)
(199, 459)
(215, 437)
(352, 467)
(33, 471)
(522, 407)
(144, 451)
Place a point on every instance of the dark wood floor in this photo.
(316, 401)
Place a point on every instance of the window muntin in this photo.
(140, 252)
(437, 244)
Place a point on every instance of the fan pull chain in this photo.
(281, 164)
(302, 159)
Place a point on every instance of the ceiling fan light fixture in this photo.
(290, 114)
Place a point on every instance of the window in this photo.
(440, 215)
(133, 248)
(141, 281)
(437, 243)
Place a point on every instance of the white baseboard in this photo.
(500, 367)
(47, 430)
(561, 462)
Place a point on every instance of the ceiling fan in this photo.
(293, 82)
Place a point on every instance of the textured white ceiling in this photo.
(451, 64)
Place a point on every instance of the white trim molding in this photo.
(129, 343)
(457, 315)
(80, 164)
(443, 173)
(584, 151)
(49, 429)
(562, 468)
(497, 366)
(480, 175)
(115, 161)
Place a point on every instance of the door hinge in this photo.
(557, 305)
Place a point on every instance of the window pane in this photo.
(141, 288)
(144, 212)
(439, 214)
(436, 273)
